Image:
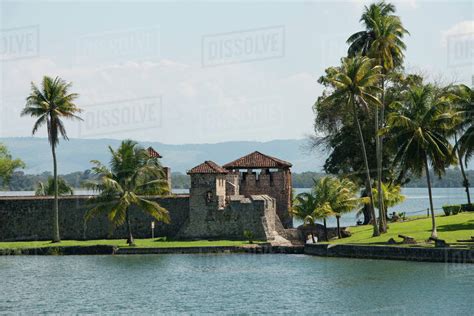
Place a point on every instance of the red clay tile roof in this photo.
(153, 153)
(257, 160)
(208, 167)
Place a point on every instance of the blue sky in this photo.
(148, 70)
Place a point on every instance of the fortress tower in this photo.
(273, 179)
(208, 186)
(154, 154)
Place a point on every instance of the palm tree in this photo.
(382, 40)
(133, 173)
(419, 129)
(355, 83)
(309, 208)
(49, 105)
(342, 198)
(303, 209)
(391, 196)
(48, 189)
(463, 99)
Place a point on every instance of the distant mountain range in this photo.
(76, 154)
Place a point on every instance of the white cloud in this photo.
(232, 102)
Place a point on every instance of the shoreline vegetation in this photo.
(139, 243)
(21, 181)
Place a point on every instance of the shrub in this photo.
(467, 207)
(451, 209)
(249, 236)
(447, 210)
(456, 209)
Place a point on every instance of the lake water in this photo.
(232, 284)
(416, 203)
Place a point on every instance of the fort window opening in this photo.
(209, 197)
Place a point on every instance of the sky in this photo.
(204, 72)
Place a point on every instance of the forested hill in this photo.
(452, 179)
(27, 182)
(76, 154)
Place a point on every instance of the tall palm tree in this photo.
(50, 104)
(463, 99)
(133, 174)
(355, 84)
(382, 40)
(419, 128)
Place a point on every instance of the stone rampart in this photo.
(30, 218)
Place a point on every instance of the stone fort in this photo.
(252, 193)
(226, 200)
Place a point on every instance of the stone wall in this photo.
(453, 255)
(30, 218)
(256, 214)
(276, 184)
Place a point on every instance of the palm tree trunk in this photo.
(312, 237)
(338, 227)
(465, 182)
(379, 145)
(367, 171)
(56, 237)
(434, 233)
(326, 237)
(130, 240)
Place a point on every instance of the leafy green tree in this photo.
(354, 85)
(382, 40)
(8, 165)
(49, 104)
(419, 129)
(132, 176)
(47, 189)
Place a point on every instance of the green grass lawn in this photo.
(140, 243)
(450, 228)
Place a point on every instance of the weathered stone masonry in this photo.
(29, 218)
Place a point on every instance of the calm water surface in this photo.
(232, 284)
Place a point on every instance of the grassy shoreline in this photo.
(121, 243)
(450, 228)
